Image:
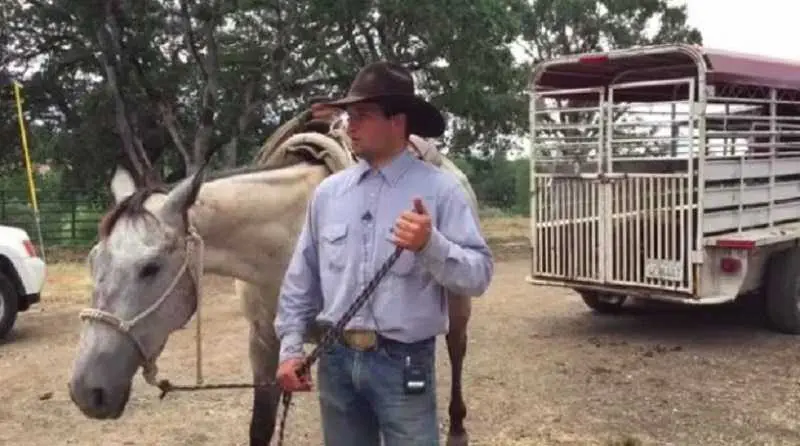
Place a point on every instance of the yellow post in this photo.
(24, 136)
(31, 188)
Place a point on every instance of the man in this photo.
(378, 380)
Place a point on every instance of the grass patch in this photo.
(506, 228)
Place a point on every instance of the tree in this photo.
(159, 83)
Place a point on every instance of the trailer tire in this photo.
(606, 303)
(782, 291)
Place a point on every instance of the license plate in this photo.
(671, 270)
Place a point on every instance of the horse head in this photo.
(144, 280)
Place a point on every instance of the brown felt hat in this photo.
(390, 83)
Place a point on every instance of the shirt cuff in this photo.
(437, 249)
(291, 347)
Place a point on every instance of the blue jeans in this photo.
(362, 397)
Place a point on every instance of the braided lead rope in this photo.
(199, 267)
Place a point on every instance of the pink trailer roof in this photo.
(665, 62)
(737, 68)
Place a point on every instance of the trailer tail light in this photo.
(730, 265)
(30, 248)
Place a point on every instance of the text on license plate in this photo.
(664, 269)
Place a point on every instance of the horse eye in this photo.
(149, 270)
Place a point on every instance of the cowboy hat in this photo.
(390, 83)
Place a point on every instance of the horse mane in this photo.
(130, 206)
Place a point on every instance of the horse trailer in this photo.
(668, 172)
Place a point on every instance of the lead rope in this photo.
(198, 283)
(328, 338)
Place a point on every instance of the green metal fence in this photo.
(68, 219)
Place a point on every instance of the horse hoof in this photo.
(458, 439)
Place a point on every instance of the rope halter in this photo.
(192, 265)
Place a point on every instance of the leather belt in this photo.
(360, 339)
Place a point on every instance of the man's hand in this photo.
(412, 230)
(289, 380)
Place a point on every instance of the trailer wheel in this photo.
(605, 303)
(782, 297)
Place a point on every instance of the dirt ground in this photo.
(541, 370)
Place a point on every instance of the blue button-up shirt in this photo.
(347, 236)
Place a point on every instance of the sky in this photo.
(763, 27)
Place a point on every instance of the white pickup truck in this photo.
(22, 276)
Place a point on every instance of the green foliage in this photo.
(499, 183)
(553, 27)
(66, 216)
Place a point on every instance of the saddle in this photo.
(305, 139)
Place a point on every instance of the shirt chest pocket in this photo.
(333, 246)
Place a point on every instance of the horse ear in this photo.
(122, 184)
(182, 197)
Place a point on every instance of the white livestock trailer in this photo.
(668, 172)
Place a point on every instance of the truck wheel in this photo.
(603, 302)
(782, 294)
(9, 301)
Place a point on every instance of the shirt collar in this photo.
(391, 172)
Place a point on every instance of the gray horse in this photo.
(154, 245)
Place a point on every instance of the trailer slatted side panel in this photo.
(752, 170)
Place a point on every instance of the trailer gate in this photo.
(604, 213)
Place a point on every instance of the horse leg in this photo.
(460, 308)
(264, 362)
(263, 353)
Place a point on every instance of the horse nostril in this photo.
(98, 397)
